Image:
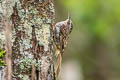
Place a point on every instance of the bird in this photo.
(62, 32)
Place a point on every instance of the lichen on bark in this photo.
(31, 38)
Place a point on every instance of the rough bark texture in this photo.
(31, 36)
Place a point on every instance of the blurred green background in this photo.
(93, 51)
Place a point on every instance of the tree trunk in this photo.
(26, 26)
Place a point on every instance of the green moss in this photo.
(2, 54)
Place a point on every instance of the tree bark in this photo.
(26, 26)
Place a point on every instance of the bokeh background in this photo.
(93, 51)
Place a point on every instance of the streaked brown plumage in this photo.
(61, 35)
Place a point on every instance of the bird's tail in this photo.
(58, 64)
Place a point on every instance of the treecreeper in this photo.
(62, 32)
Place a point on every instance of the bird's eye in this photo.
(68, 22)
